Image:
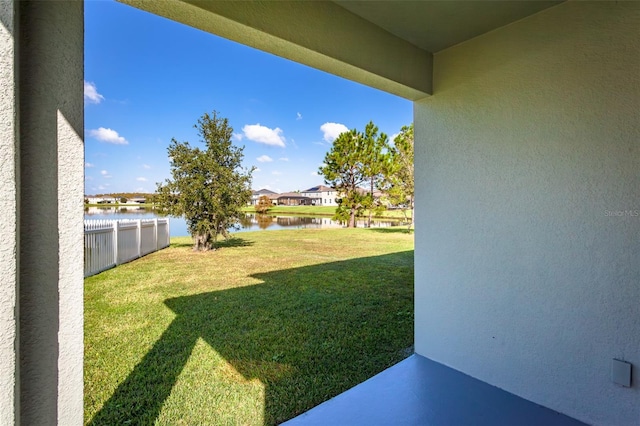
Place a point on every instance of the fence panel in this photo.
(148, 237)
(128, 241)
(98, 247)
(163, 234)
(108, 243)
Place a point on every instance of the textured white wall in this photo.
(50, 120)
(8, 214)
(524, 277)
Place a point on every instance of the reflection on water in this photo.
(250, 222)
(263, 221)
(114, 210)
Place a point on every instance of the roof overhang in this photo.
(388, 45)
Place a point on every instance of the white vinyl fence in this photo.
(108, 243)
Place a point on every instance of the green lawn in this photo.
(270, 325)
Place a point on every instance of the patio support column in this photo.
(8, 213)
(41, 202)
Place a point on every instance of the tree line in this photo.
(210, 186)
(359, 163)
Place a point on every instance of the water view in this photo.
(251, 221)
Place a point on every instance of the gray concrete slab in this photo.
(418, 391)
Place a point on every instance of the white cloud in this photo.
(108, 136)
(276, 173)
(238, 136)
(105, 174)
(314, 174)
(283, 159)
(91, 94)
(87, 165)
(141, 179)
(265, 135)
(102, 187)
(264, 159)
(298, 116)
(146, 166)
(331, 131)
(88, 178)
(257, 169)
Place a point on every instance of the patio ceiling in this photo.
(437, 25)
(388, 45)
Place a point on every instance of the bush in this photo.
(264, 204)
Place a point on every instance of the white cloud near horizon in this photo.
(146, 166)
(264, 159)
(330, 131)
(141, 179)
(276, 173)
(237, 136)
(265, 135)
(88, 165)
(108, 135)
(283, 159)
(105, 174)
(91, 94)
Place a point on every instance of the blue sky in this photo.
(149, 79)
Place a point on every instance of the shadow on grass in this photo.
(306, 333)
(231, 242)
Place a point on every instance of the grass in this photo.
(255, 333)
(324, 211)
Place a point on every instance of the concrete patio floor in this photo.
(418, 391)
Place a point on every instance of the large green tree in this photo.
(343, 170)
(399, 181)
(207, 186)
(374, 159)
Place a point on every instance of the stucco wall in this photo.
(8, 214)
(51, 153)
(526, 277)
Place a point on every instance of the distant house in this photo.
(255, 195)
(293, 199)
(321, 195)
(106, 200)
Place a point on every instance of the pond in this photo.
(251, 221)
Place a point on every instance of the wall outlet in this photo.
(621, 373)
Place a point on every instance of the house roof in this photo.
(263, 191)
(319, 188)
